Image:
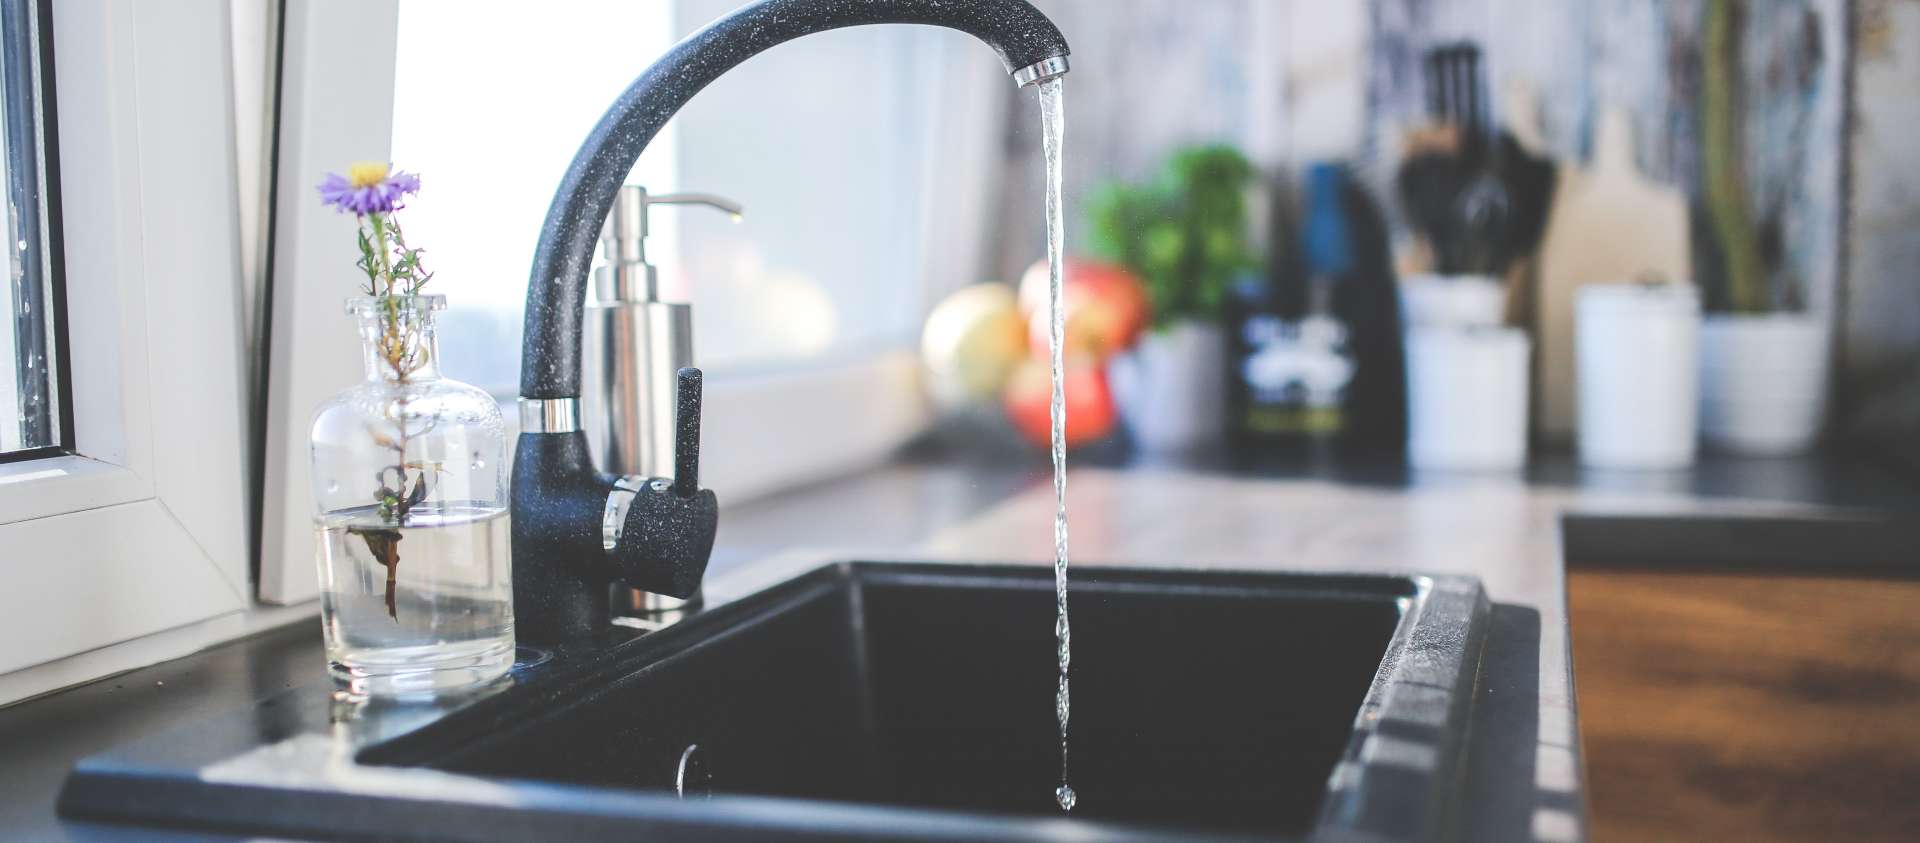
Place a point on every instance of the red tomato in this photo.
(1090, 410)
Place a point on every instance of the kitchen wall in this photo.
(1283, 79)
(1645, 56)
(1880, 307)
(1292, 81)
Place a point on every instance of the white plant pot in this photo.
(1171, 388)
(1467, 398)
(1636, 351)
(1763, 383)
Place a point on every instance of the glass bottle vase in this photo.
(410, 486)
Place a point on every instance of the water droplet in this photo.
(333, 486)
(478, 463)
(1065, 797)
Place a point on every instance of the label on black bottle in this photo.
(1296, 373)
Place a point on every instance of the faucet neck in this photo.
(569, 537)
(1026, 41)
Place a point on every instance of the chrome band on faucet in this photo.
(549, 415)
(1041, 71)
(613, 518)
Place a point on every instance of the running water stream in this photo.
(1053, 124)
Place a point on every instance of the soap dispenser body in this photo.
(632, 347)
(631, 351)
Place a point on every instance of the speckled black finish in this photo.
(556, 291)
(561, 572)
(670, 538)
(686, 432)
(557, 501)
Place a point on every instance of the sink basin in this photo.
(916, 701)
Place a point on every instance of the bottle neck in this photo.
(398, 338)
(401, 359)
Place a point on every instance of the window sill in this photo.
(71, 483)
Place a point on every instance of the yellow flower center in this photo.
(367, 173)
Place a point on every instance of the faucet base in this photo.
(650, 612)
(562, 569)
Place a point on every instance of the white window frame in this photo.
(336, 106)
(763, 432)
(134, 547)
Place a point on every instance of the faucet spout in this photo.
(574, 528)
(1028, 43)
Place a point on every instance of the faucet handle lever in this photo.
(668, 531)
(686, 432)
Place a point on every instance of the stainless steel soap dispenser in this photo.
(633, 346)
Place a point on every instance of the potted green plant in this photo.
(1763, 356)
(1185, 235)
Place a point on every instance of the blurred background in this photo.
(1296, 192)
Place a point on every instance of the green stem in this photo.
(1725, 171)
(366, 259)
(380, 241)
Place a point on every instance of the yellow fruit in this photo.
(971, 342)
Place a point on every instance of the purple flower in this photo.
(369, 187)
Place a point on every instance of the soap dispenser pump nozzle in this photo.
(627, 276)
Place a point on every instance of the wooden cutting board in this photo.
(1609, 224)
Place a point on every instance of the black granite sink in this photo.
(916, 701)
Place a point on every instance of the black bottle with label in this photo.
(1315, 345)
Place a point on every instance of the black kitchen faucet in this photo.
(575, 529)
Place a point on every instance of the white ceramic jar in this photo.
(1636, 349)
(1467, 398)
(1452, 301)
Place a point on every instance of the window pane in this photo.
(29, 385)
(825, 141)
(493, 99)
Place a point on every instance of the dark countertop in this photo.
(40, 739)
(931, 506)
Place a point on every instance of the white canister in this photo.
(1452, 301)
(1467, 398)
(1636, 351)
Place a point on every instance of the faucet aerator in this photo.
(1041, 71)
